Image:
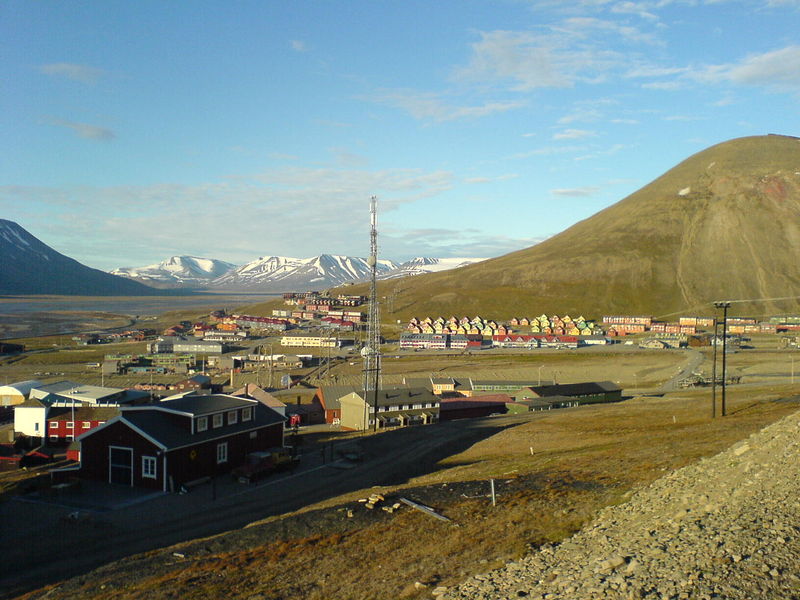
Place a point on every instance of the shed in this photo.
(16, 393)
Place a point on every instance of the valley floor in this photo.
(552, 471)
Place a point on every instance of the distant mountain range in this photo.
(279, 273)
(178, 271)
(29, 266)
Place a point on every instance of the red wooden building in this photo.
(165, 445)
(65, 423)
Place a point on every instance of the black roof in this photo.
(388, 397)
(204, 404)
(171, 434)
(577, 389)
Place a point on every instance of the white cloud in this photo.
(573, 134)
(777, 69)
(478, 180)
(444, 243)
(683, 118)
(84, 130)
(666, 86)
(429, 106)
(299, 46)
(578, 192)
(640, 9)
(75, 72)
(581, 114)
(291, 211)
(527, 60)
(588, 26)
(524, 57)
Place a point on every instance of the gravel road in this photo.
(727, 527)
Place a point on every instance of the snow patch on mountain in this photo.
(421, 265)
(178, 270)
(295, 274)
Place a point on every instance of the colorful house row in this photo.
(556, 325)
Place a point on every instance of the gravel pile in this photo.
(726, 527)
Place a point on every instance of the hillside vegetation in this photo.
(723, 224)
(552, 475)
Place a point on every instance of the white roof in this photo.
(21, 387)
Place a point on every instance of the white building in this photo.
(30, 418)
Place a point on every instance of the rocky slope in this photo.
(726, 527)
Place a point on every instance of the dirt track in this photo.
(41, 546)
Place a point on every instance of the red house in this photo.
(165, 445)
(65, 423)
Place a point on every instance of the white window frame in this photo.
(247, 413)
(222, 453)
(149, 467)
(87, 424)
(233, 417)
(217, 420)
(70, 424)
(53, 424)
(201, 424)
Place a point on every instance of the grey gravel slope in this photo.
(727, 527)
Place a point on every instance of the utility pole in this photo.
(270, 365)
(724, 306)
(714, 369)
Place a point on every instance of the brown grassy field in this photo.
(552, 474)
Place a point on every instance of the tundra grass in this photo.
(552, 475)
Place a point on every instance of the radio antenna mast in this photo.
(371, 350)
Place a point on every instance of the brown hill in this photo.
(722, 225)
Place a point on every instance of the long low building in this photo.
(583, 393)
(174, 344)
(311, 341)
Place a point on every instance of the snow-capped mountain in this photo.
(29, 266)
(421, 265)
(182, 271)
(282, 273)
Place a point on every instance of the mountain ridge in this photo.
(30, 266)
(282, 273)
(722, 224)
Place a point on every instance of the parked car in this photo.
(263, 463)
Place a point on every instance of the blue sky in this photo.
(134, 131)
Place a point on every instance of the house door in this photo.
(120, 465)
